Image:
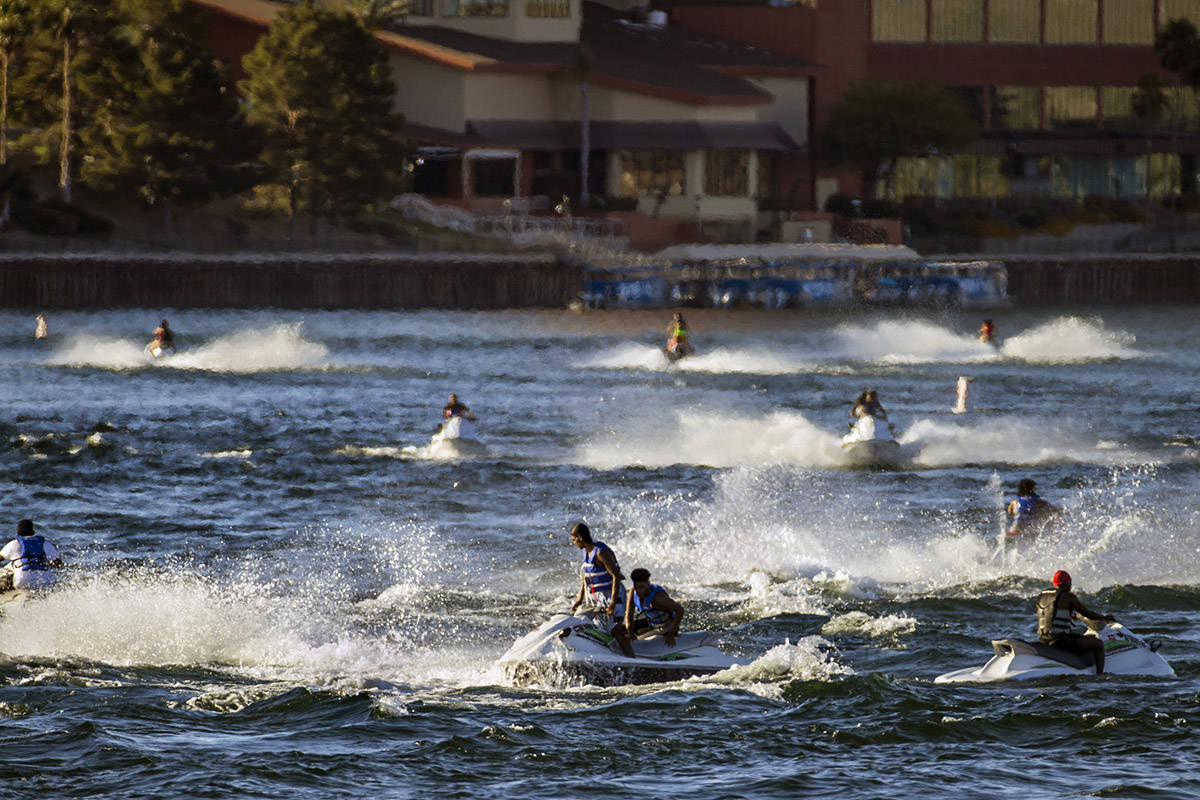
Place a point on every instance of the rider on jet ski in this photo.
(987, 332)
(32, 558)
(1030, 513)
(659, 612)
(1055, 609)
(867, 405)
(164, 337)
(457, 409)
(677, 337)
(600, 583)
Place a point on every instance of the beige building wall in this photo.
(498, 95)
(429, 94)
(790, 109)
(608, 103)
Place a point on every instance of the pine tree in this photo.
(181, 139)
(320, 91)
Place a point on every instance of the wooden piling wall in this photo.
(334, 281)
(1087, 280)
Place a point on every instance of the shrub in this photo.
(841, 204)
(880, 209)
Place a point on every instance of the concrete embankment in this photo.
(1126, 278)
(372, 280)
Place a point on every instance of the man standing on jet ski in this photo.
(32, 557)
(1056, 608)
(457, 409)
(659, 612)
(164, 338)
(1030, 514)
(600, 583)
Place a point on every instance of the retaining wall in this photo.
(1046, 280)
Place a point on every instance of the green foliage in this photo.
(1150, 100)
(319, 90)
(375, 14)
(1178, 46)
(877, 121)
(180, 138)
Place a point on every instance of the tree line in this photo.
(123, 96)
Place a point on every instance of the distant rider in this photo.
(659, 613)
(867, 405)
(600, 584)
(1055, 609)
(987, 332)
(164, 337)
(40, 329)
(457, 409)
(32, 558)
(677, 337)
(1030, 514)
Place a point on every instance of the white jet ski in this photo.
(456, 438)
(870, 443)
(576, 649)
(1125, 653)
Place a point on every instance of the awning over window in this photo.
(606, 135)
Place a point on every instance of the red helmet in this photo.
(1061, 577)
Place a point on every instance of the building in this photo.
(1051, 82)
(687, 128)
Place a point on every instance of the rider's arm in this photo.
(664, 603)
(629, 607)
(1079, 609)
(606, 561)
(582, 588)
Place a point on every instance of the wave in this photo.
(721, 360)
(909, 342)
(1071, 339)
(276, 347)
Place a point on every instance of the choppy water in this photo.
(273, 593)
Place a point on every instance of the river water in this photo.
(273, 592)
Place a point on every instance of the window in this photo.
(1015, 21)
(494, 177)
(547, 8)
(949, 176)
(1129, 21)
(1017, 108)
(726, 173)
(421, 8)
(474, 8)
(1071, 107)
(1180, 9)
(957, 21)
(1118, 107)
(646, 172)
(898, 21)
(1071, 21)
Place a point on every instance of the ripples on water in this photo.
(273, 592)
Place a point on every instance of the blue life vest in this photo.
(33, 554)
(599, 580)
(1026, 512)
(656, 618)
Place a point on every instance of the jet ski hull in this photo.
(456, 439)
(1125, 653)
(865, 454)
(575, 650)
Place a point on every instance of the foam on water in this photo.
(1069, 340)
(860, 623)
(720, 360)
(276, 347)
(1009, 440)
(909, 342)
(717, 440)
(809, 659)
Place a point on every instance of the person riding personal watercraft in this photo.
(871, 440)
(1031, 515)
(987, 333)
(163, 342)
(1060, 650)
(31, 559)
(456, 436)
(677, 339)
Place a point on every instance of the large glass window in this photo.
(898, 21)
(957, 21)
(1129, 21)
(547, 8)
(1015, 21)
(1118, 107)
(1179, 9)
(474, 8)
(726, 173)
(652, 172)
(1071, 21)
(1017, 108)
(1071, 106)
(948, 176)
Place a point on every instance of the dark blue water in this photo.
(273, 591)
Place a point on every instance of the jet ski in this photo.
(456, 438)
(869, 443)
(157, 349)
(674, 351)
(1125, 653)
(577, 649)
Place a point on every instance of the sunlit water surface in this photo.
(274, 592)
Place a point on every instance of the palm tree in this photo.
(13, 27)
